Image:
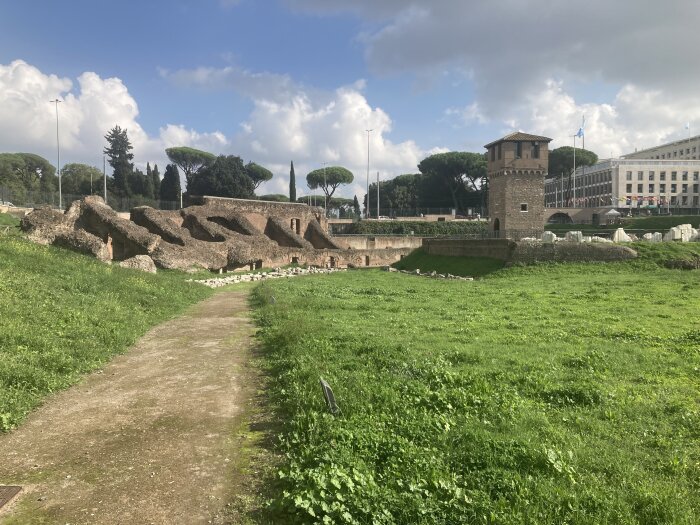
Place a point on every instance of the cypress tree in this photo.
(292, 184)
(155, 175)
(170, 187)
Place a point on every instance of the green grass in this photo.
(63, 315)
(8, 220)
(661, 223)
(463, 266)
(547, 394)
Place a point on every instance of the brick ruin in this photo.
(217, 234)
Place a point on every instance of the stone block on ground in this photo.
(139, 262)
(549, 237)
(620, 236)
(575, 236)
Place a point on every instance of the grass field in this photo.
(63, 314)
(549, 394)
(9, 220)
(463, 266)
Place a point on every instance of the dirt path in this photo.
(152, 438)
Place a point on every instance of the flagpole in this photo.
(574, 201)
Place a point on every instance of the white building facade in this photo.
(668, 185)
(685, 149)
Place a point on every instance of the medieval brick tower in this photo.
(516, 166)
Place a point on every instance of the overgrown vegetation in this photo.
(389, 227)
(548, 394)
(661, 222)
(8, 220)
(464, 266)
(63, 314)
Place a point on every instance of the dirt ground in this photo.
(154, 437)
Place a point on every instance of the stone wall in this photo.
(379, 242)
(529, 252)
(508, 191)
(501, 249)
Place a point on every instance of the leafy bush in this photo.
(390, 227)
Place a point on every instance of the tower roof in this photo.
(518, 136)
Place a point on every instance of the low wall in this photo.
(529, 252)
(501, 249)
(532, 252)
(15, 211)
(371, 242)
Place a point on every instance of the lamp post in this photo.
(367, 206)
(58, 157)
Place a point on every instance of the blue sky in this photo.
(274, 81)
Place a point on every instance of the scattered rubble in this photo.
(433, 274)
(681, 233)
(277, 273)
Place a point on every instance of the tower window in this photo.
(523, 207)
(518, 150)
(535, 150)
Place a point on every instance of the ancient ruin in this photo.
(216, 234)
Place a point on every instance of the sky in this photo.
(275, 81)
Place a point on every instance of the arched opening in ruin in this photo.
(295, 260)
(256, 265)
(332, 262)
(560, 218)
(229, 224)
(496, 225)
(110, 248)
(366, 260)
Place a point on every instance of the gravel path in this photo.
(152, 438)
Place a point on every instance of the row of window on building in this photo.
(662, 188)
(651, 175)
(677, 153)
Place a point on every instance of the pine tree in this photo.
(119, 153)
(292, 184)
(170, 187)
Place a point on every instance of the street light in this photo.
(58, 157)
(367, 206)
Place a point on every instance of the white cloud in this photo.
(287, 122)
(468, 114)
(86, 114)
(636, 118)
(309, 126)
(525, 58)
